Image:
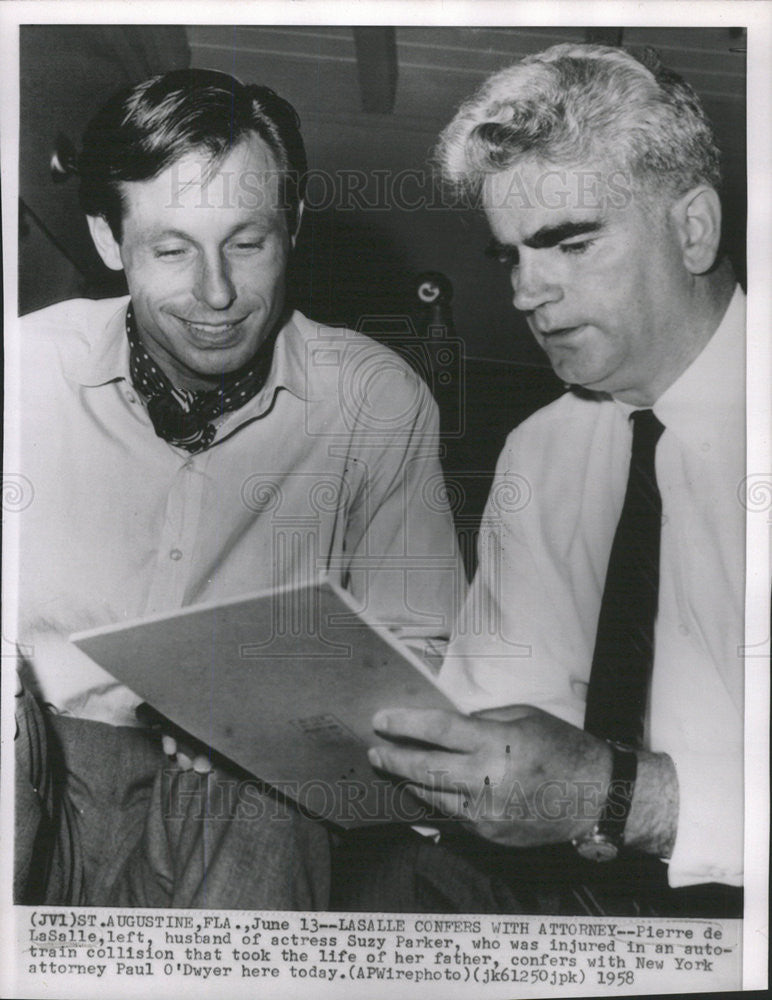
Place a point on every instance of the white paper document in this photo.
(284, 683)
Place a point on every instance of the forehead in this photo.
(533, 194)
(196, 191)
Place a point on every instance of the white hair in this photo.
(574, 104)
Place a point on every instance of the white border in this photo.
(757, 17)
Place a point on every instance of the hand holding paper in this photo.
(530, 779)
(177, 744)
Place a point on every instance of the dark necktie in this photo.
(624, 643)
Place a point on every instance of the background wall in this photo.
(67, 72)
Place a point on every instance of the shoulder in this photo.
(69, 327)
(565, 428)
(71, 317)
(357, 369)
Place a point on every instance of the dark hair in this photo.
(144, 129)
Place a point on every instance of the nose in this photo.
(214, 286)
(533, 282)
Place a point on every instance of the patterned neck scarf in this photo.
(184, 417)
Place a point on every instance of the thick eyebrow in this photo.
(542, 239)
(550, 236)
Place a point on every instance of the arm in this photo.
(520, 638)
(532, 779)
(402, 555)
(653, 820)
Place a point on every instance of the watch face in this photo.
(597, 848)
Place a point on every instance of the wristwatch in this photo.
(604, 841)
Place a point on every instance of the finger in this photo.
(202, 764)
(444, 729)
(508, 713)
(477, 813)
(453, 804)
(432, 768)
(186, 754)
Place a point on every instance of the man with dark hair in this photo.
(141, 131)
(605, 773)
(193, 442)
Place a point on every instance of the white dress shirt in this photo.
(331, 468)
(527, 632)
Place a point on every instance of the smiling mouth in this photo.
(213, 327)
(212, 332)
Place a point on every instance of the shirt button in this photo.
(705, 446)
(131, 397)
(175, 554)
(683, 629)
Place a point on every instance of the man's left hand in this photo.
(178, 745)
(531, 779)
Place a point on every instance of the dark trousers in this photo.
(104, 818)
(393, 869)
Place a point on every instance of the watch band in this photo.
(605, 840)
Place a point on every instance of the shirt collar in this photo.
(705, 404)
(289, 368)
(105, 358)
(105, 355)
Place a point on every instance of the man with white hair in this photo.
(600, 767)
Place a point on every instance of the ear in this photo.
(294, 236)
(697, 217)
(108, 247)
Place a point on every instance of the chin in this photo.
(589, 377)
(220, 366)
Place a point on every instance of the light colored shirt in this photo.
(527, 633)
(331, 468)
